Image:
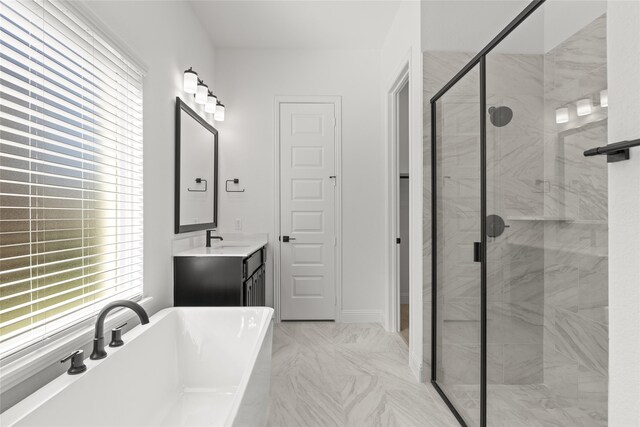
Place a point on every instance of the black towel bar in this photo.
(199, 181)
(615, 152)
(235, 181)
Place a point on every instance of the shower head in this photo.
(500, 116)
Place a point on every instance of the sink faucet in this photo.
(211, 237)
(98, 341)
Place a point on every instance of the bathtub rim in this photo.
(35, 400)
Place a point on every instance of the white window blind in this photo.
(70, 173)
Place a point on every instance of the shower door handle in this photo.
(477, 252)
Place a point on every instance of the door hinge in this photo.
(398, 240)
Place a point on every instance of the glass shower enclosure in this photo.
(519, 327)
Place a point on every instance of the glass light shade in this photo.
(604, 98)
(583, 106)
(190, 81)
(211, 104)
(562, 115)
(218, 116)
(201, 93)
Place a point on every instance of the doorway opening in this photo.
(402, 207)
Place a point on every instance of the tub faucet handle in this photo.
(77, 362)
(116, 336)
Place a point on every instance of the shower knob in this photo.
(495, 225)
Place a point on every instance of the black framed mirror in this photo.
(196, 171)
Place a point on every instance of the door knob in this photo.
(286, 239)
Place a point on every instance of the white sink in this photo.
(242, 248)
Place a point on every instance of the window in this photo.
(70, 173)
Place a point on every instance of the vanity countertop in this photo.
(226, 248)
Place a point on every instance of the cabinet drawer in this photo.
(252, 263)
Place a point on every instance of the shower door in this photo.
(520, 224)
(457, 298)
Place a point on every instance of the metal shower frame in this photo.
(480, 59)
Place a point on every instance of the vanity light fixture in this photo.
(193, 84)
(583, 106)
(190, 80)
(201, 93)
(218, 116)
(562, 115)
(212, 101)
(604, 98)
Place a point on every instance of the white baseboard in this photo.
(404, 298)
(361, 316)
(416, 367)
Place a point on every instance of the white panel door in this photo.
(307, 211)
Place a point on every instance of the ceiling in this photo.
(294, 24)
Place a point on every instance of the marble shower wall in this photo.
(515, 169)
(438, 67)
(576, 246)
(515, 267)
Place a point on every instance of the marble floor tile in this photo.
(329, 374)
(343, 375)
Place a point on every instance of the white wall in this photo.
(402, 45)
(169, 38)
(623, 55)
(248, 81)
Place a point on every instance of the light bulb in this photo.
(211, 103)
(604, 98)
(190, 81)
(218, 116)
(583, 106)
(201, 93)
(562, 115)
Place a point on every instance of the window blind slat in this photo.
(35, 132)
(57, 323)
(38, 123)
(41, 311)
(62, 283)
(14, 93)
(42, 70)
(30, 69)
(53, 40)
(71, 170)
(22, 78)
(39, 300)
(65, 161)
(15, 90)
(64, 267)
(134, 244)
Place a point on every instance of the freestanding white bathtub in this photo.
(187, 367)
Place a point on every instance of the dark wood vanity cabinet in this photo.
(214, 281)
